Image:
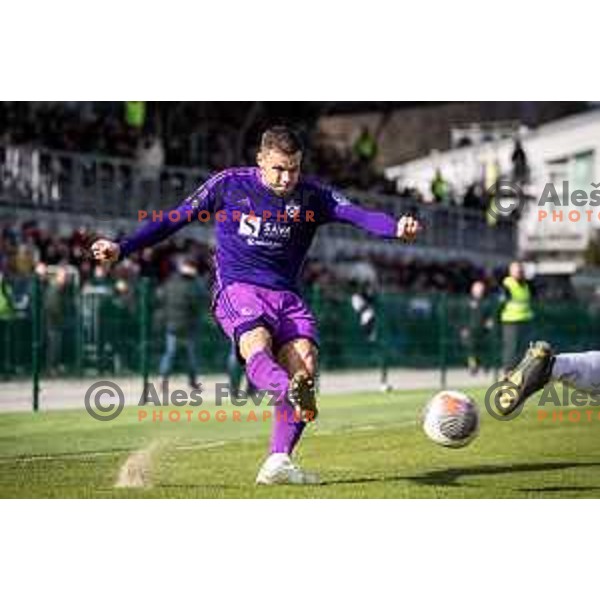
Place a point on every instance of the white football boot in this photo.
(280, 470)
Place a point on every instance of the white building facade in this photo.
(564, 154)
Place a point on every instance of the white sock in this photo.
(581, 371)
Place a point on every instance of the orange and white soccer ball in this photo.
(451, 419)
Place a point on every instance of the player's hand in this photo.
(408, 227)
(105, 251)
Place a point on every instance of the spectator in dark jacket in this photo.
(182, 299)
(477, 333)
(520, 164)
(55, 313)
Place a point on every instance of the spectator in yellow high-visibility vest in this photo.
(365, 151)
(7, 314)
(516, 316)
(135, 115)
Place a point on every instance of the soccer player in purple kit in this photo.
(265, 219)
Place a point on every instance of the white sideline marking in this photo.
(202, 446)
(5, 460)
(58, 457)
(136, 471)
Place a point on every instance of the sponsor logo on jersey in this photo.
(250, 226)
(279, 231)
(271, 233)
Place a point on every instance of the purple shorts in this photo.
(242, 307)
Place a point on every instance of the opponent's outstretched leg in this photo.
(540, 366)
(581, 371)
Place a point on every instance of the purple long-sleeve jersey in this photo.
(262, 239)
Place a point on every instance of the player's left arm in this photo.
(341, 210)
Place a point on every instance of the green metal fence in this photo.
(101, 332)
(419, 331)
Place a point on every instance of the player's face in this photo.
(279, 171)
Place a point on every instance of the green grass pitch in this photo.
(365, 446)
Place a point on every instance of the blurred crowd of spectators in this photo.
(64, 266)
(399, 274)
(214, 136)
(28, 248)
(173, 134)
(66, 126)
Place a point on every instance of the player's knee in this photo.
(252, 342)
(313, 367)
(310, 364)
(300, 356)
(306, 358)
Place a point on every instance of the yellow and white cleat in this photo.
(530, 376)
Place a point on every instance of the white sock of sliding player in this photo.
(581, 371)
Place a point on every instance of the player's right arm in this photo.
(159, 229)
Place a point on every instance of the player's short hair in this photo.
(282, 138)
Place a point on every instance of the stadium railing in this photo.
(447, 233)
(46, 182)
(55, 181)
